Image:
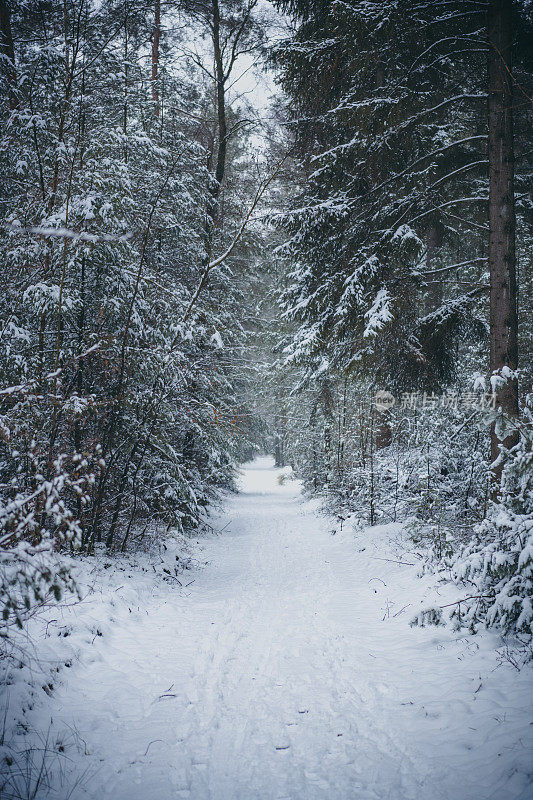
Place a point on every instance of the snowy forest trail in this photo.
(287, 671)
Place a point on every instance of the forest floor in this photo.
(281, 667)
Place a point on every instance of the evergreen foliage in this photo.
(115, 351)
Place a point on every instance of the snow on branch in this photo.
(66, 233)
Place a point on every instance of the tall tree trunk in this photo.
(501, 252)
(156, 35)
(220, 80)
(278, 453)
(7, 51)
(372, 518)
(434, 238)
(125, 111)
(383, 430)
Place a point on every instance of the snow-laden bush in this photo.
(285, 475)
(497, 564)
(499, 560)
(35, 525)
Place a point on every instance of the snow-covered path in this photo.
(282, 672)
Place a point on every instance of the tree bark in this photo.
(156, 36)
(501, 248)
(7, 50)
(434, 238)
(220, 81)
(383, 431)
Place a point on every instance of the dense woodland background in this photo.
(189, 279)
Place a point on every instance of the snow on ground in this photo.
(285, 670)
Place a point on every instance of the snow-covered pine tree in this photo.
(387, 244)
(104, 209)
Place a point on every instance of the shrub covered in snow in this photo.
(499, 560)
(497, 564)
(36, 523)
(285, 475)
